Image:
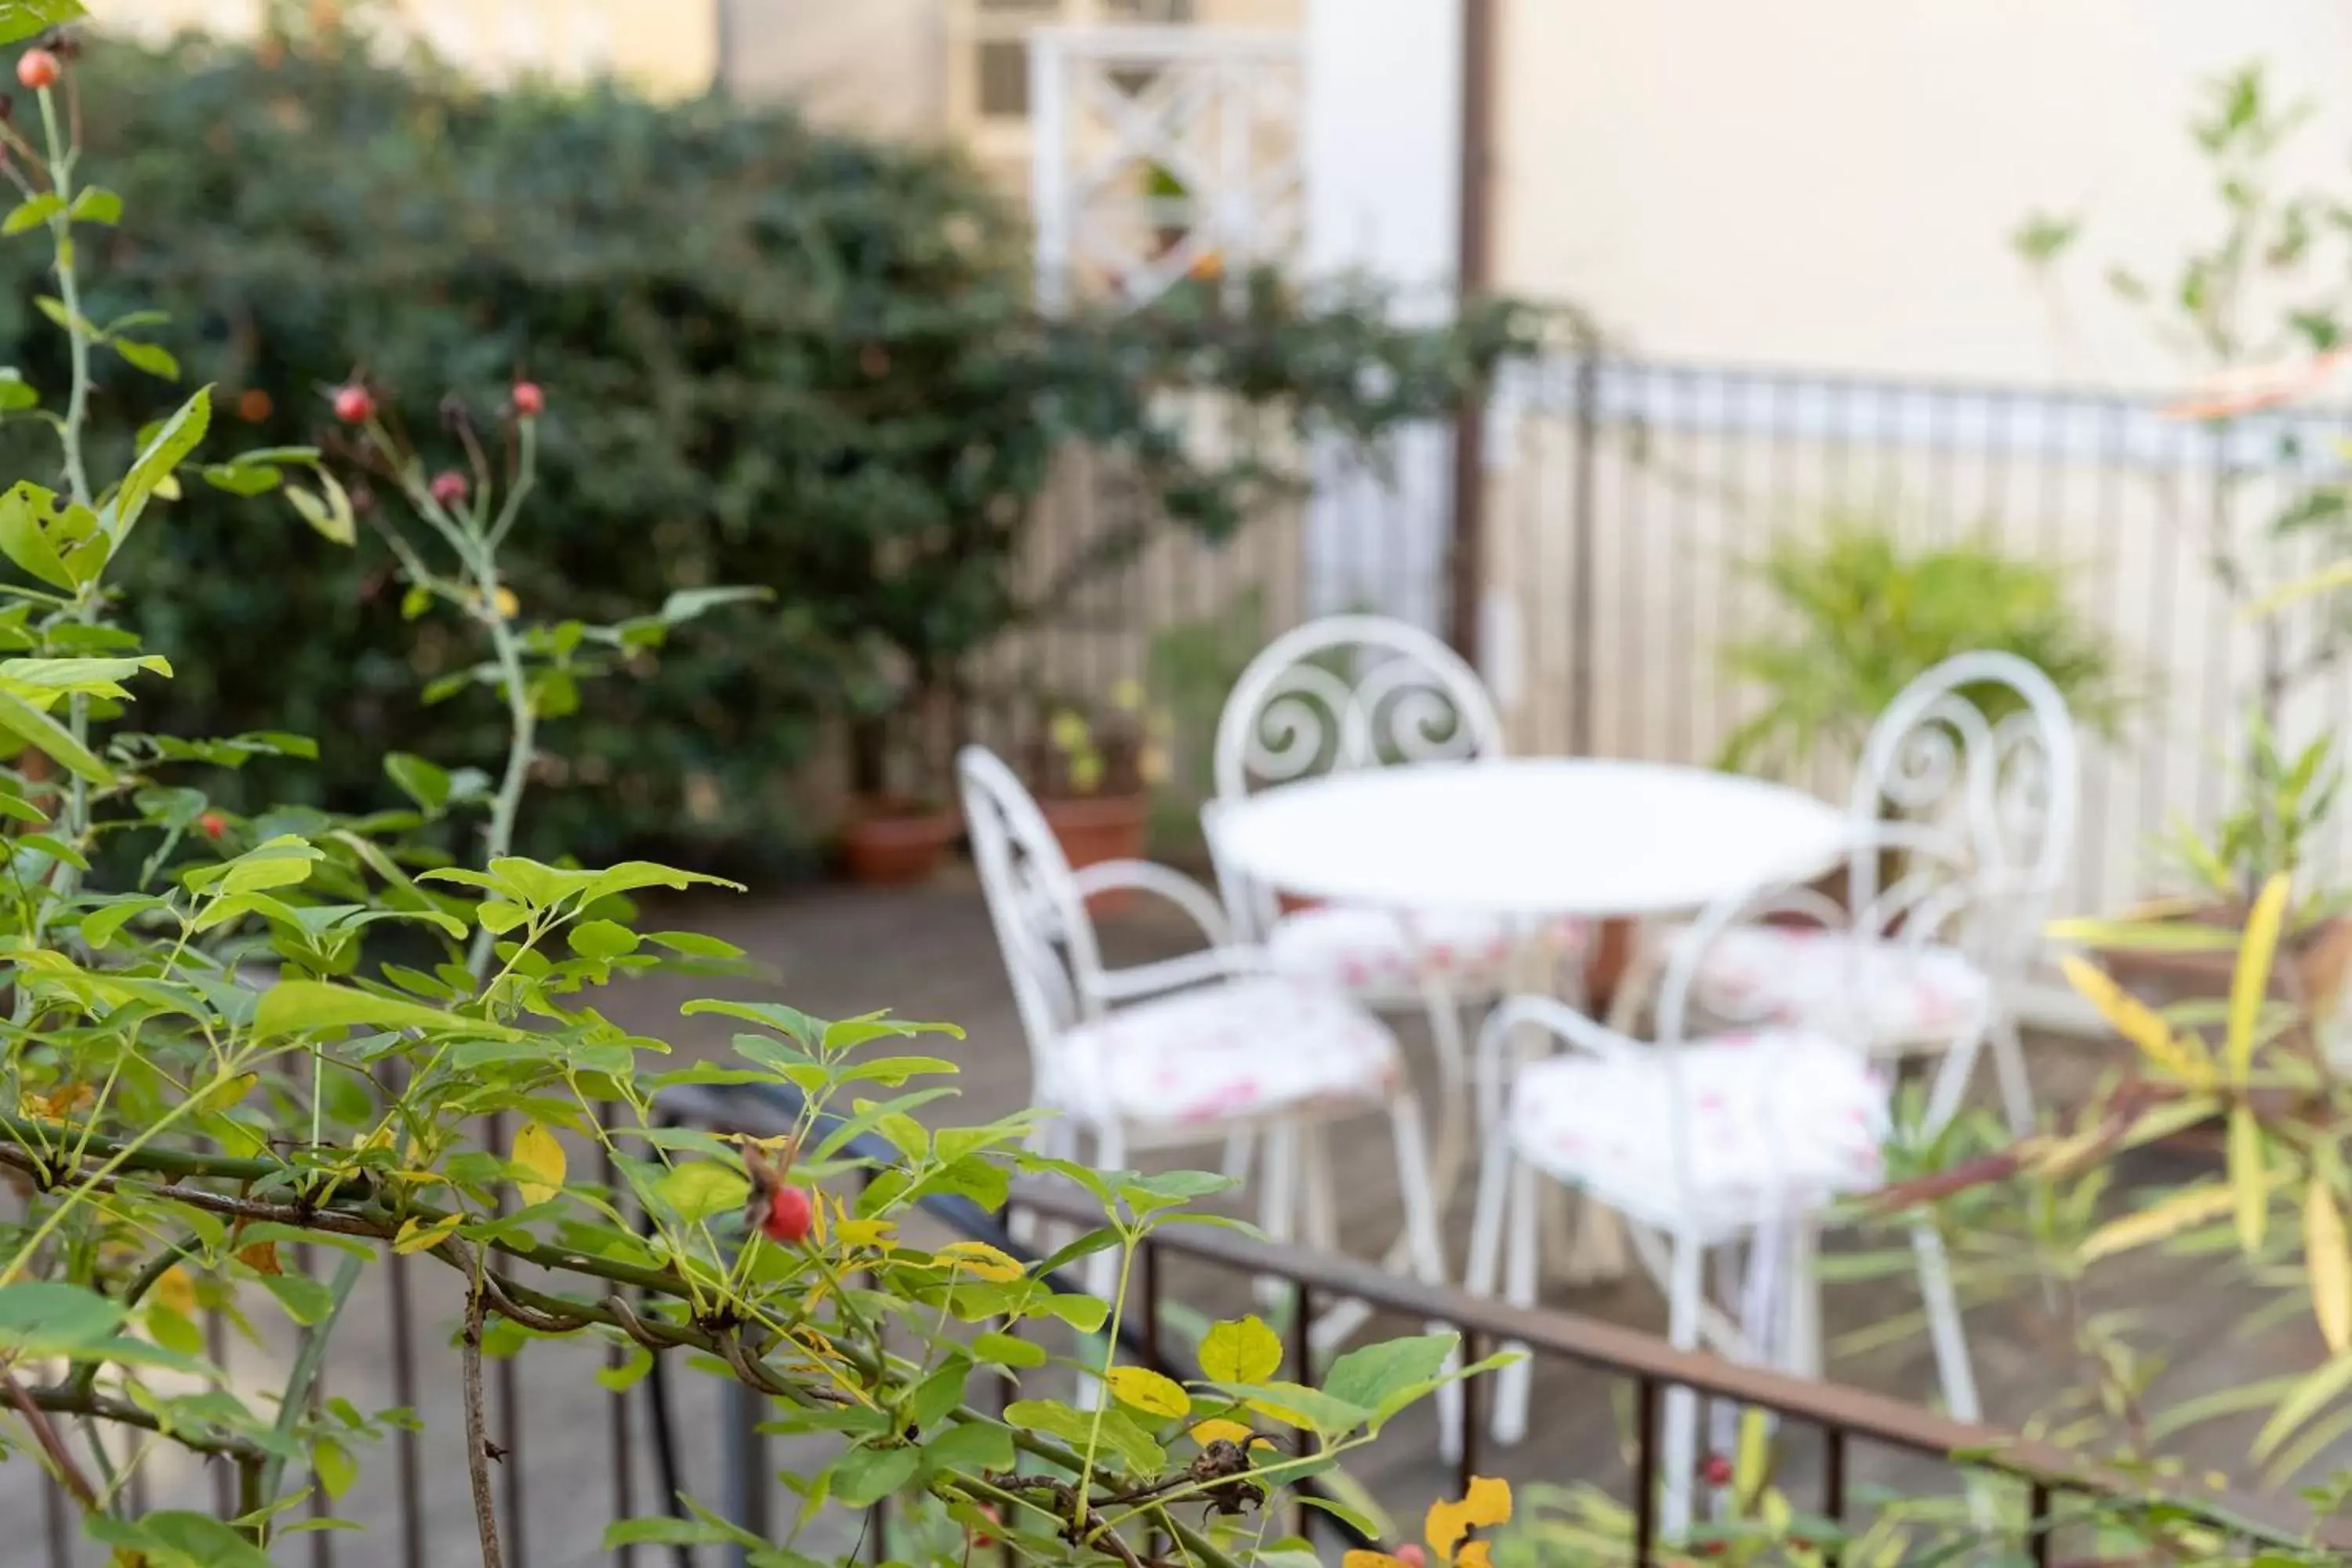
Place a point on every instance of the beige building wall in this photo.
(1835, 182)
(665, 47)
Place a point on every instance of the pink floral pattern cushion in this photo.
(1227, 1053)
(1361, 949)
(1774, 1121)
(1878, 994)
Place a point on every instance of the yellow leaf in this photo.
(2324, 1252)
(864, 1232)
(1147, 1391)
(2251, 981)
(224, 1095)
(1476, 1554)
(176, 1291)
(1487, 1502)
(2247, 1178)
(536, 1150)
(1369, 1560)
(1210, 1431)
(415, 1238)
(508, 604)
(261, 1256)
(2189, 1205)
(2137, 1022)
(1755, 1451)
(1242, 1351)
(980, 1260)
(2310, 1395)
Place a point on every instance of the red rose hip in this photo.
(529, 400)
(789, 1213)
(37, 68)
(1716, 1471)
(449, 487)
(1412, 1555)
(212, 824)
(354, 405)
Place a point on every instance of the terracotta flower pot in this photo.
(895, 843)
(1095, 828)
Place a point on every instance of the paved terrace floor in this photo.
(928, 955)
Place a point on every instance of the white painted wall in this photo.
(1834, 182)
(1382, 154)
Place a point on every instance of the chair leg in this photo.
(1452, 1080)
(1241, 1147)
(1680, 1455)
(1318, 1207)
(1946, 1332)
(2008, 1072)
(1514, 1387)
(1425, 1249)
(1278, 1202)
(1802, 1316)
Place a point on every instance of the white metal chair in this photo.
(1187, 1050)
(1357, 691)
(2009, 791)
(1737, 1140)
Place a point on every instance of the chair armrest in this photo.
(1556, 1018)
(1147, 876)
(1221, 959)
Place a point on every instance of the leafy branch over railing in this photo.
(296, 1029)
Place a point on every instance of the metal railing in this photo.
(1628, 501)
(668, 1438)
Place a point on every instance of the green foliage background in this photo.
(774, 355)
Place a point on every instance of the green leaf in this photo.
(420, 781)
(788, 1021)
(98, 205)
(698, 1190)
(1166, 1189)
(305, 1299)
(25, 511)
(177, 1539)
(32, 212)
(866, 1476)
(636, 1362)
(21, 19)
(17, 394)
(693, 944)
(333, 1465)
(1007, 1350)
(2312, 1395)
(42, 1318)
(1244, 1350)
(37, 730)
(331, 514)
(1370, 1376)
(602, 939)
(969, 1448)
(1137, 1453)
(172, 444)
(153, 358)
(1295, 1404)
(308, 1007)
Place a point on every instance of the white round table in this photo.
(1539, 836)
(1532, 837)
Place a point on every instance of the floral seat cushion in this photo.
(1228, 1053)
(1884, 996)
(1776, 1122)
(1364, 949)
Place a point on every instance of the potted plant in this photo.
(1864, 613)
(899, 825)
(1092, 768)
(2183, 945)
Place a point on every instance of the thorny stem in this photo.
(44, 1433)
(62, 157)
(478, 1440)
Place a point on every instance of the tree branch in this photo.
(44, 1433)
(477, 1441)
